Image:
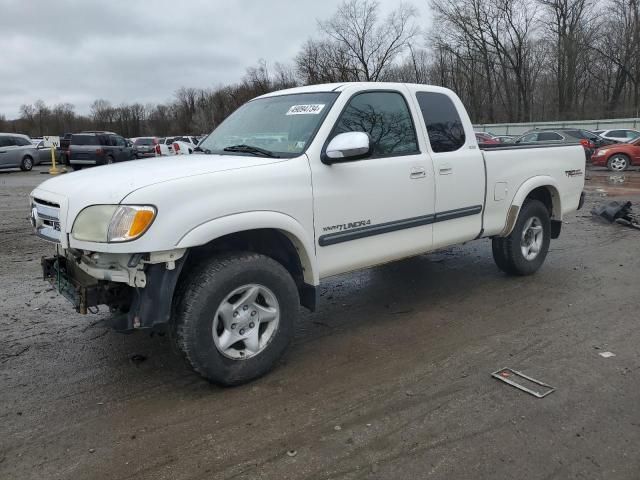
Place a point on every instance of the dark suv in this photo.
(98, 148)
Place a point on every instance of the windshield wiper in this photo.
(249, 149)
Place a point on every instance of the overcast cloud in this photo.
(125, 51)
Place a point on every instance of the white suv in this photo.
(619, 135)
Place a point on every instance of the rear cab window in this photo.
(444, 126)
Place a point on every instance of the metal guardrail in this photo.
(520, 128)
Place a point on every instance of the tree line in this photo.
(508, 60)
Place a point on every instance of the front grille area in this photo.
(45, 219)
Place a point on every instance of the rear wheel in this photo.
(76, 167)
(109, 160)
(27, 164)
(234, 317)
(523, 252)
(618, 163)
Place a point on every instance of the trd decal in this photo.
(573, 173)
(346, 226)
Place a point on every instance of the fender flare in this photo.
(523, 191)
(242, 222)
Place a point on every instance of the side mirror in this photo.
(347, 146)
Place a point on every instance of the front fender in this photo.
(245, 221)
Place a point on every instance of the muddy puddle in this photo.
(613, 184)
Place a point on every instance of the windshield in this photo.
(144, 141)
(284, 125)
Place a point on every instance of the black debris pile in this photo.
(618, 212)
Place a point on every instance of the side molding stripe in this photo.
(387, 227)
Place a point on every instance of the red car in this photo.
(617, 157)
(485, 138)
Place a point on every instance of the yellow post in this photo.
(54, 170)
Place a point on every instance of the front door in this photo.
(378, 208)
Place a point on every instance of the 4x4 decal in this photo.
(346, 226)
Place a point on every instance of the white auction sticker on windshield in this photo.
(311, 109)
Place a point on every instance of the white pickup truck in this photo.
(295, 186)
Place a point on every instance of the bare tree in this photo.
(571, 25)
(371, 45)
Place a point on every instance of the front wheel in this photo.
(235, 316)
(523, 252)
(27, 164)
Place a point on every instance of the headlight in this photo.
(112, 223)
(599, 153)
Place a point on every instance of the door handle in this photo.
(445, 169)
(418, 172)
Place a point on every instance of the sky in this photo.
(76, 51)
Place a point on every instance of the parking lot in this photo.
(389, 379)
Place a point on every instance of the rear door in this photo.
(11, 152)
(458, 165)
(123, 152)
(6, 147)
(24, 147)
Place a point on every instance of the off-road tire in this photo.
(198, 298)
(26, 165)
(507, 252)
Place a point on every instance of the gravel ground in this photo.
(389, 380)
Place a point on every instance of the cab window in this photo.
(385, 117)
(444, 127)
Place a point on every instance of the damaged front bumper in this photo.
(139, 295)
(82, 290)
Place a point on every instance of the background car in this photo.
(44, 153)
(187, 139)
(506, 138)
(559, 136)
(17, 151)
(165, 146)
(183, 148)
(145, 146)
(619, 134)
(486, 139)
(589, 140)
(98, 148)
(617, 157)
(546, 137)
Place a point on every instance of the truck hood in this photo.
(110, 184)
